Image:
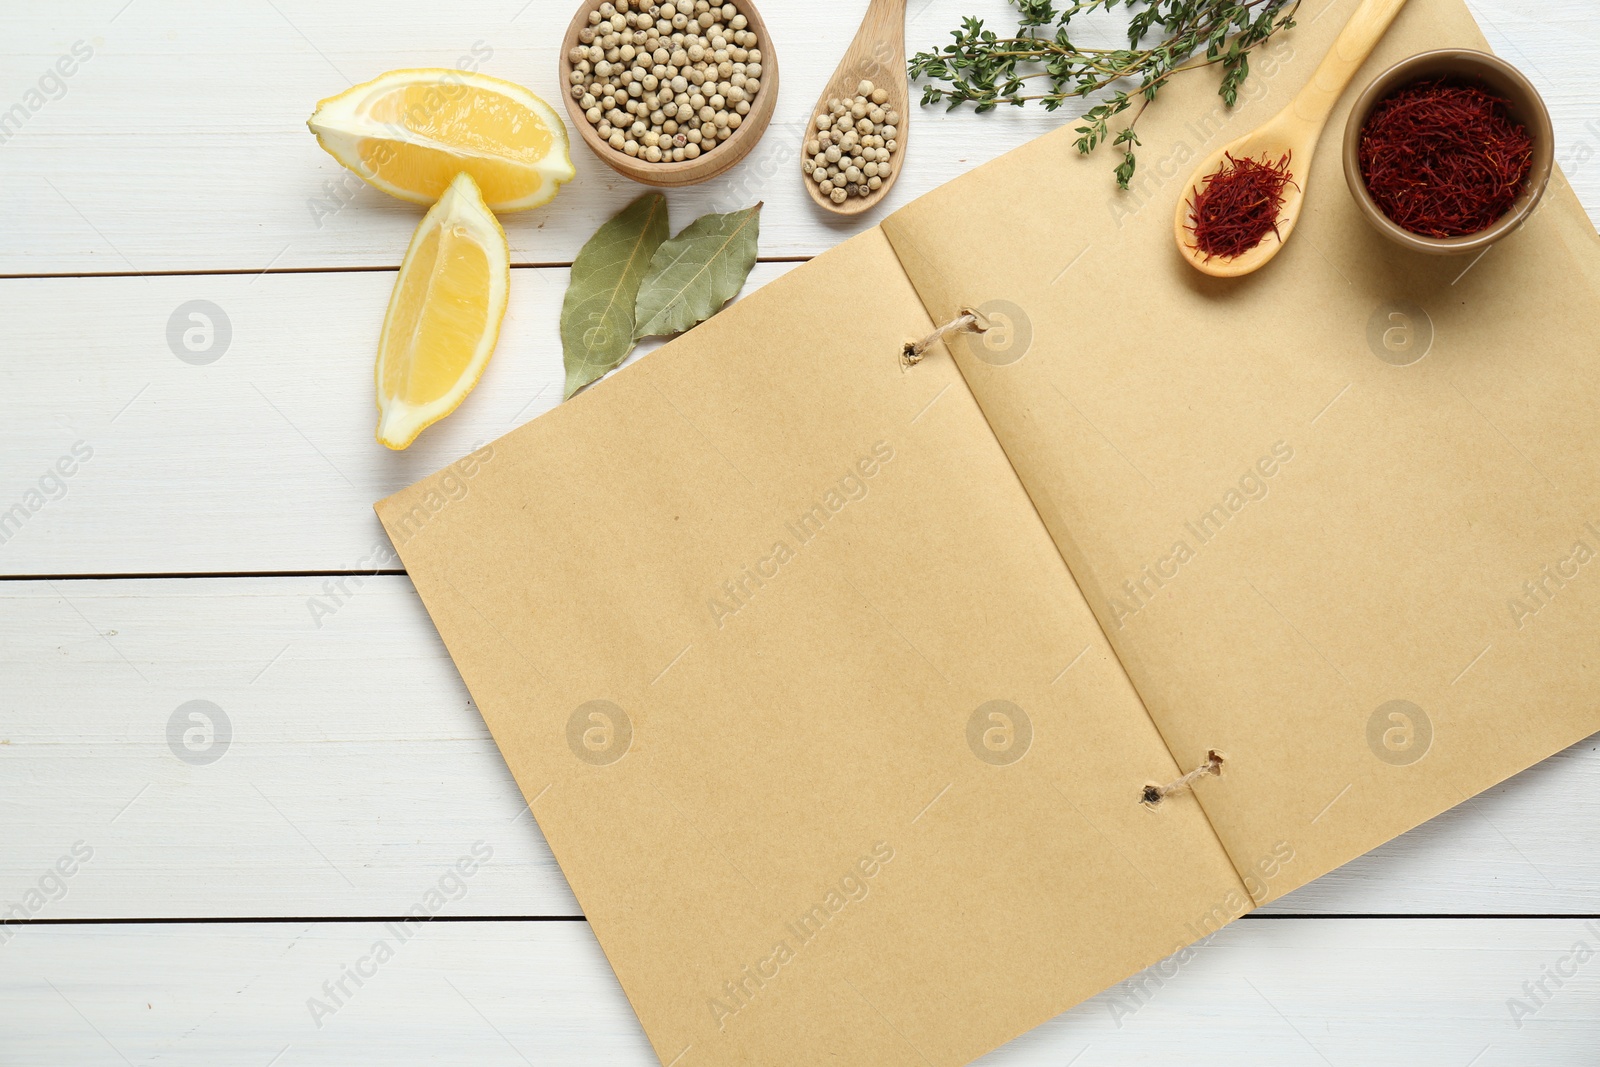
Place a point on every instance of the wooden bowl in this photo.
(710, 163)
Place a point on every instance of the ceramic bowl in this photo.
(1499, 78)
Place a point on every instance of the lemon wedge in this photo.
(444, 316)
(410, 132)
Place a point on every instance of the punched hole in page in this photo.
(1155, 794)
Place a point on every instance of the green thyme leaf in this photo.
(1040, 62)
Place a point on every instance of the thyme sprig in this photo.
(1042, 63)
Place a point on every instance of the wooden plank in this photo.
(358, 770)
(1381, 993)
(262, 459)
(355, 768)
(217, 144)
(179, 144)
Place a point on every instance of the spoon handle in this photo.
(1356, 42)
(880, 43)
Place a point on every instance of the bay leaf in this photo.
(695, 273)
(597, 325)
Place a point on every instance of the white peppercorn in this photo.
(667, 80)
(849, 154)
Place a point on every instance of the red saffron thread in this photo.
(1238, 206)
(1445, 159)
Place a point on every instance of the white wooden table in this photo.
(214, 542)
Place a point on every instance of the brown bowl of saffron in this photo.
(1449, 151)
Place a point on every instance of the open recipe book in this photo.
(836, 685)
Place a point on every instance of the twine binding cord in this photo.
(1212, 767)
(968, 322)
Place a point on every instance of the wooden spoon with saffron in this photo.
(1293, 132)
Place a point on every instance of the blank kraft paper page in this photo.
(824, 737)
(1340, 519)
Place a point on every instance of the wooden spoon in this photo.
(1293, 131)
(878, 55)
